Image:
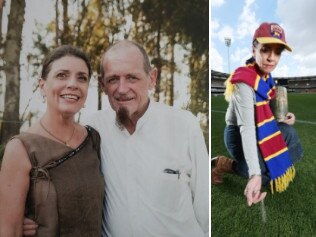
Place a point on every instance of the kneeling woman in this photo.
(263, 150)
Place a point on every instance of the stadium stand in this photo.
(306, 84)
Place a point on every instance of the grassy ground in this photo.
(292, 213)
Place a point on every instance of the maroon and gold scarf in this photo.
(269, 138)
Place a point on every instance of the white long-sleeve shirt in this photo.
(141, 199)
(241, 112)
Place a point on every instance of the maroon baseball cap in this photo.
(271, 33)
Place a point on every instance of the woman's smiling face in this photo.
(66, 85)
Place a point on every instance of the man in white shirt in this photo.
(154, 158)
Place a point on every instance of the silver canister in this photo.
(279, 104)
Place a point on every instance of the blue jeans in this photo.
(233, 145)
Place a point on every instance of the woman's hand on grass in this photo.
(253, 190)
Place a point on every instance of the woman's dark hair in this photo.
(62, 51)
(255, 43)
(252, 59)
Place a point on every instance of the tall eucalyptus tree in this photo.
(12, 48)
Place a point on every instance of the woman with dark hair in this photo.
(263, 149)
(51, 172)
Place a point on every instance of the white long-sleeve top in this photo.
(241, 112)
(141, 199)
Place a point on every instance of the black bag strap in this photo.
(56, 163)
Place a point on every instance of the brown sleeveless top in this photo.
(67, 199)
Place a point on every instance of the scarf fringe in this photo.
(282, 182)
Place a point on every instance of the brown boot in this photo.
(222, 165)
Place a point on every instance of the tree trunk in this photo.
(1, 11)
(158, 65)
(2, 2)
(57, 23)
(169, 93)
(81, 16)
(12, 49)
(65, 37)
(100, 92)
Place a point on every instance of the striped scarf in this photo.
(269, 138)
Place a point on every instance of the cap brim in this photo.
(271, 40)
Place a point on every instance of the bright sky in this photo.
(238, 19)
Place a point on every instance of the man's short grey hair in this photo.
(147, 66)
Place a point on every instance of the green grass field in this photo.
(292, 213)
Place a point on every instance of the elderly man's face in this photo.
(125, 81)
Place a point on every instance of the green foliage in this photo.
(158, 25)
(193, 23)
(185, 23)
(291, 213)
(199, 87)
